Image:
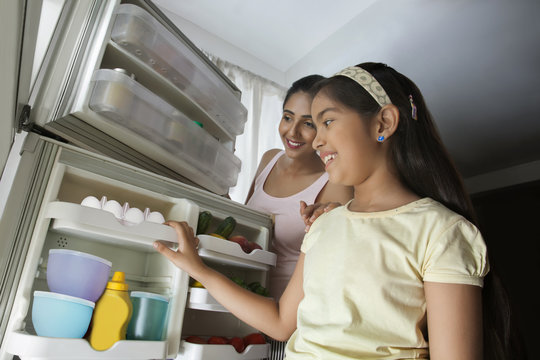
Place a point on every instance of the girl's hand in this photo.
(186, 257)
(312, 212)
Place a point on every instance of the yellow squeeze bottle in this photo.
(111, 314)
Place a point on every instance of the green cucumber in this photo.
(204, 221)
(226, 227)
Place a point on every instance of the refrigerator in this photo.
(124, 107)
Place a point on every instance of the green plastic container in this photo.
(149, 316)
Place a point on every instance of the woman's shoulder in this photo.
(269, 155)
(265, 159)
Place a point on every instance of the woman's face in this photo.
(296, 126)
(347, 144)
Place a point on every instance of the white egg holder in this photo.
(200, 299)
(225, 252)
(191, 351)
(125, 213)
(100, 225)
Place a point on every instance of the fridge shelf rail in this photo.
(100, 225)
(28, 346)
(190, 351)
(226, 252)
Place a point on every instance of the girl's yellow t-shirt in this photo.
(364, 279)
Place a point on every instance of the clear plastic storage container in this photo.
(142, 35)
(121, 99)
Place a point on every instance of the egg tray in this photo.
(100, 225)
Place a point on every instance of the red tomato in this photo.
(218, 340)
(255, 338)
(238, 344)
(195, 340)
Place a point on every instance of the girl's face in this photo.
(347, 143)
(296, 128)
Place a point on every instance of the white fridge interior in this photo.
(63, 223)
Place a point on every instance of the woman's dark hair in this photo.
(424, 166)
(304, 84)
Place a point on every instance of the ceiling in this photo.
(477, 62)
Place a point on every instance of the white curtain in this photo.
(263, 100)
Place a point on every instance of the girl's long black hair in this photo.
(425, 166)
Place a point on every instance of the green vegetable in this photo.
(257, 288)
(226, 227)
(204, 221)
(239, 281)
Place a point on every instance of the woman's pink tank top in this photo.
(289, 226)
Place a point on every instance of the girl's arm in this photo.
(454, 314)
(258, 311)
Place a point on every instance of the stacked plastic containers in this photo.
(80, 292)
(139, 33)
(76, 280)
(203, 95)
(124, 101)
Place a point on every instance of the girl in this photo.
(398, 265)
(286, 177)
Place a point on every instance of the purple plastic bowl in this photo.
(77, 274)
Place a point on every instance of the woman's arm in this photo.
(454, 314)
(331, 196)
(258, 311)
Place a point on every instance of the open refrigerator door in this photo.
(123, 109)
(58, 217)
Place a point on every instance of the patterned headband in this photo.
(368, 82)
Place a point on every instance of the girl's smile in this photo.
(327, 158)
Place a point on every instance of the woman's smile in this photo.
(294, 144)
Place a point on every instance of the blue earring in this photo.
(380, 138)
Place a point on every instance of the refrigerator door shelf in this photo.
(128, 104)
(100, 225)
(226, 252)
(146, 38)
(35, 347)
(200, 299)
(190, 351)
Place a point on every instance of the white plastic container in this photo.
(142, 35)
(127, 103)
(201, 299)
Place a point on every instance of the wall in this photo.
(226, 51)
(508, 219)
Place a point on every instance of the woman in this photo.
(284, 178)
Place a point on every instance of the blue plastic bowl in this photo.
(58, 315)
(77, 274)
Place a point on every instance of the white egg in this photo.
(134, 215)
(91, 201)
(113, 207)
(156, 217)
